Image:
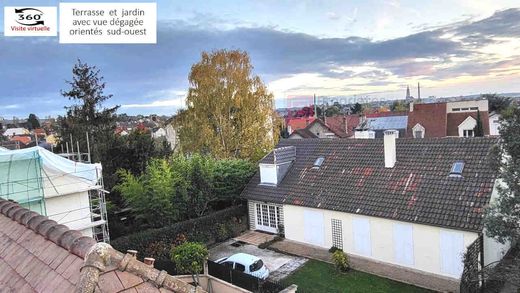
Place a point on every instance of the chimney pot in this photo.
(149, 261)
(390, 148)
(132, 252)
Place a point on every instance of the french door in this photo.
(267, 217)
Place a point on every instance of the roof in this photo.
(387, 122)
(38, 255)
(303, 133)
(25, 139)
(455, 119)
(431, 116)
(299, 123)
(337, 124)
(353, 179)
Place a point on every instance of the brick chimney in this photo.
(390, 148)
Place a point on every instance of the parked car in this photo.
(246, 263)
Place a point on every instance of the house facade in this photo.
(384, 200)
(447, 119)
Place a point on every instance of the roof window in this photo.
(456, 169)
(318, 162)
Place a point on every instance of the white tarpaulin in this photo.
(35, 172)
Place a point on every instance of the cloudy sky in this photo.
(371, 48)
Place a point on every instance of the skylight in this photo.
(318, 162)
(456, 169)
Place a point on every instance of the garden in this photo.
(317, 276)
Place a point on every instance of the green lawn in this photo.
(317, 276)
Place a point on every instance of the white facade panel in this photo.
(361, 236)
(403, 244)
(452, 253)
(426, 239)
(314, 229)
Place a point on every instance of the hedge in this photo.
(215, 227)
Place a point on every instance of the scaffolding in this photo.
(69, 192)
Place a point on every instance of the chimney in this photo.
(411, 106)
(149, 261)
(346, 124)
(132, 252)
(390, 149)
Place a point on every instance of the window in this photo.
(228, 264)
(418, 131)
(468, 133)
(256, 266)
(456, 109)
(240, 267)
(473, 108)
(318, 162)
(456, 169)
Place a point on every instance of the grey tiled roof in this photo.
(418, 189)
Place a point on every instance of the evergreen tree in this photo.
(87, 114)
(356, 109)
(33, 122)
(502, 218)
(478, 130)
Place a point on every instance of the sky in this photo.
(354, 49)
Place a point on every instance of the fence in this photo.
(471, 280)
(243, 280)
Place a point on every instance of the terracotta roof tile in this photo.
(38, 255)
(128, 280)
(110, 283)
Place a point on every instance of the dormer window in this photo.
(456, 169)
(318, 162)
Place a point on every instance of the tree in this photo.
(478, 130)
(189, 258)
(87, 114)
(502, 218)
(229, 112)
(356, 109)
(33, 122)
(332, 111)
(399, 106)
(497, 103)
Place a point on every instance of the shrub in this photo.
(189, 258)
(333, 249)
(266, 244)
(340, 260)
(159, 241)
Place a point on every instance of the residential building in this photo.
(318, 129)
(158, 133)
(68, 192)
(406, 204)
(378, 124)
(39, 255)
(16, 131)
(294, 124)
(494, 123)
(171, 135)
(457, 118)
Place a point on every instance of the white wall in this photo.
(494, 250)
(71, 210)
(468, 124)
(482, 105)
(494, 124)
(426, 239)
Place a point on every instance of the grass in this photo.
(317, 276)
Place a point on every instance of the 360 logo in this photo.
(29, 16)
(36, 21)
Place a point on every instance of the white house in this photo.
(68, 192)
(409, 204)
(15, 131)
(494, 123)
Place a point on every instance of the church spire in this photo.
(408, 92)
